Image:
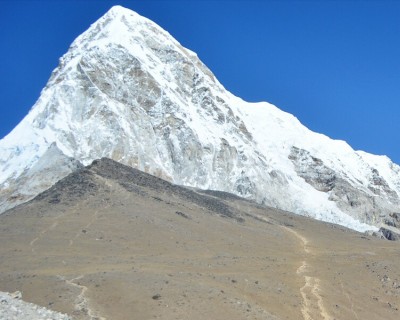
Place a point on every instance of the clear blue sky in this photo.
(335, 65)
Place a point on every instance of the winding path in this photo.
(41, 234)
(313, 304)
(81, 301)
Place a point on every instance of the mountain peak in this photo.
(128, 91)
(120, 10)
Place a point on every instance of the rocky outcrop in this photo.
(390, 234)
(363, 203)
(313, 170)
(393, 220)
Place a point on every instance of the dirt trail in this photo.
(56, 222)
(40, 236)
(82, 302)
(92, 220)
(313, 303)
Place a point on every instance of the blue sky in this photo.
(335, 65)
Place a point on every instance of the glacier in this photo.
(127, 90)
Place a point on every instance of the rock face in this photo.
(390, 234)
(365, 202)
(128, 91)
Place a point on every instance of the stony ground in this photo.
(13, 308)
(102, 246)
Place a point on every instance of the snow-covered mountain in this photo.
(127, 90)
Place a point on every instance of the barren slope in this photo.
(110, 242)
